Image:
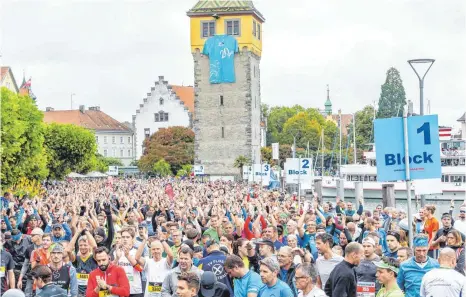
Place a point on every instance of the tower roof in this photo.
(209, 7)
(328, 103)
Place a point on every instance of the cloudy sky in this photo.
(109, 53)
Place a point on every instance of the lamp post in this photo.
(421, 79)
(421, 95)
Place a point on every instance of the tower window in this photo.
(208, 29)
(254, 29)
(161, 101)
(221, 100)
(259, 31)
(233, 27)
(161, 116)
(223, 132)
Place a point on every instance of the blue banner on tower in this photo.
(221, 50)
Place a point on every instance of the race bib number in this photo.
(130, 277)
(82, 279)
(2, 271)
(365, 289)
(154, 289)
(105, 293)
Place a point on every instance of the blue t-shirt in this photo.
(221, 50)
(249, 283)
(280, 289)
(310, 240)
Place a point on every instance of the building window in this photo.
(97, 139)
(113, 140)
(223, 132)
(146, 132)
(208, 29)
(129, 153)
(259, 31)
(129, 139)
(156, 117)
(105, 153)
(254, 29)
(162, 116)
(233, 27)
(114, 152)
(121, 139)
(221, 100)
(121, 153)
(161, 101)
(105, 139)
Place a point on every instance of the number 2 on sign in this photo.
(425, 128)
(305, 163)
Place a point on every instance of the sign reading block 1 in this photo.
(423, 144)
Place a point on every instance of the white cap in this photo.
(13, 293)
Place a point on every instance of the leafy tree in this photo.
(277, 118)
(240, 161)
(266, 155)
(175, 145)
(22, 139)
(392, 96)
(104, 162)
(69, 148)
(185, 170)
(364, 127)
(304, 128)
(162, 168)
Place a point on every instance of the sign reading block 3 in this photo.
(423, 144)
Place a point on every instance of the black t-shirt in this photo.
(6, 264)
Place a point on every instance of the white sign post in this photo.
(112, 170)
(275, 151)
(260, 172)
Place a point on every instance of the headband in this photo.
(384, 265)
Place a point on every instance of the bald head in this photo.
(447, 258)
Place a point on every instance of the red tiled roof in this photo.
(3, 72)
(186, 95)
(90, 119)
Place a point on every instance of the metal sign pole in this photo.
(299, 185)
(408, 179)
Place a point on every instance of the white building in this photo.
(7, 79)
(165, 106)
(113, 138)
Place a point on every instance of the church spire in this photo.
(328, 103)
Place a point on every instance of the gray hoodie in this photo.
(171, 281)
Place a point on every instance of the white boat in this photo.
(453, 181)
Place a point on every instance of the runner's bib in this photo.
(365, 289)
(106, 293)
(154, 289)
(2, 271)
(82, 279)
(130, 276)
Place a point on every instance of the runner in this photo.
(387, 271)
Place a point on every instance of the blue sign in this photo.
(423, 145)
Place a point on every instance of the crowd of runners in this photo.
(184, 238)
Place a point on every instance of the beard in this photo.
(103, 267)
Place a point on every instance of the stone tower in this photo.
(227, 112)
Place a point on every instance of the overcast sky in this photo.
(109, 53)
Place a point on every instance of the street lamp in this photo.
(421, 79)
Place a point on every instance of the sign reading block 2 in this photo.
(423, 144)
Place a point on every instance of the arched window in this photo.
(161, 101)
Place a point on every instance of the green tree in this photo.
(22, 139)
(104, 162)
(305, 129)
(162, 168)
(240, 161)
(277, 118)
(175, 145)
(266, 155)
(185, 170)
(392, 96)
(69, 148)
(364, 127)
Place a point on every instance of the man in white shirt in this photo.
(306, 278)
(156, 268)
(444, 281)
(125, 257)
(460, 223)
(327, 259)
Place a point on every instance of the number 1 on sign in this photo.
(425, 128)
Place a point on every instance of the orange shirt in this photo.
(431, 226)
(41, 256)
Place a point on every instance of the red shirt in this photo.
(114, 276)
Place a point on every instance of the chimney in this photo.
(95, 108)
(82, 108)
(49, 109)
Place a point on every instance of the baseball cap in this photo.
(57, 248)
(210, 243)
(224, 249)
(368, 240)
(57, 226)
(266, 242)
(37, 231)
(271, 263)
(394, 234)
(208, 281)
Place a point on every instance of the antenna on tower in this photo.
(328, 92)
